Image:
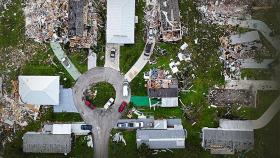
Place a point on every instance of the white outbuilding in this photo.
(120, 21)
(39, 90)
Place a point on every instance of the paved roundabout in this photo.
(102, 120)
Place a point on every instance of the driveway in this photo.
(139, 65)
(110, 62)
(59, 53)
(101, 120)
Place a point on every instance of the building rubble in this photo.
(55, 20)
(219, 11)
(235, 48)
(15, 114)
(231, 97)
(4, 4)
(118, 137)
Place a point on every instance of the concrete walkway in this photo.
(260, 26)
(139, 65)
(252, 124)
(59, 53)
(268, 115)
(252, 64)
(252, 84)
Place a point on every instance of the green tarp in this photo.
(142, 101)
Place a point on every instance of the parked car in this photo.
(130, 125)
(65, 62)
(151, 34)
(86, 127)
(148, 48)
(136, 124)
(122, 107)
(122, 125)
(125, 88)
(109, 103)
(113, 54)
(89, 104)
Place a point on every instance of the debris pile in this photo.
(230, 97)
(15, 114)
(4, 4)
(61, 20)
(170, 20)
(118, 137)
(152, 14)
(219, 11)
(234, 48)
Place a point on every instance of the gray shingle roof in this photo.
(235, 140)
(34, 142)
(161, 138)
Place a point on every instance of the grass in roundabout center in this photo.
(100, 93)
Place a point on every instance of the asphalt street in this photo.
(102, 120)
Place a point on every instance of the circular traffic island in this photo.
(99, 94)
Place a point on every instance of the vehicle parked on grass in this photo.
(125, 88)
(89, 104)
(65, 62)
(86, 127)
(122, 107)
(109, 103)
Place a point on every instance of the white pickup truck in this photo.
(109, 103)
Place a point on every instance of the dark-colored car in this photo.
(122, 107)
(89, 104)
(86, 127)
(148, 48)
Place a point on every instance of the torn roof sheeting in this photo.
(120, 21)
(39, 90)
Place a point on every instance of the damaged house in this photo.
(82, 24)
(163, 88)
(170, 20)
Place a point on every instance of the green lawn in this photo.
(79, 59)
(45, 63)
(105, 91)
(12, 25)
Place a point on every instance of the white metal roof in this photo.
(169, 102)
(41, 90)
(61, 129)
(120, 21)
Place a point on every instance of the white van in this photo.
(125, 88)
